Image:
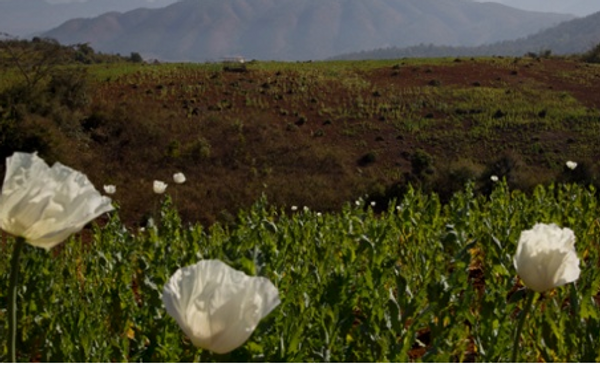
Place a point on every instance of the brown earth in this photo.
(320, 135)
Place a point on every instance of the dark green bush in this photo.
(367, 159)
(593, 55)
(199, 150)
(455, 177)
(421, 163)
(69, 87)
(136, 57)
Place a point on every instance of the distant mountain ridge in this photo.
(577, 7)
(193, 30)
(572, 37)
(23, 18)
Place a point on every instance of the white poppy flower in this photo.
(571, 165)
(159, 187)
(46, 205)
(294, 208)
(150, 222)
(546, 257)
(494, 178)
(110, 189)
(216, 306)
(179, 178)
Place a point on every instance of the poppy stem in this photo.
(530, 297)
(12, 302)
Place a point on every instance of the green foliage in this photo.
(136, 57)
(46, 49)
(40, 105)
(420, 281)
(593, 55)
(69, 86)
(199, 149)
(421, 163)
(455, 176)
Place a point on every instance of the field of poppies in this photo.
(404, 210)
(422, 281)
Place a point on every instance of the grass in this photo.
(422, 281)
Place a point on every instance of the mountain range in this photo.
(576, 7)
(25, 18)
(571, 37)
(194, 30)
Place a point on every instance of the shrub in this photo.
(505, 165)
(593, 55)
(455, 177)
(199, 150)
(367, 159)
(546, 53)
(584, 174)
(136, 57)
(23, 136)
(421, 163)
(69, 87)
(174, 149)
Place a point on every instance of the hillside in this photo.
(298, 29)
(21, 18)
(572, 37)
(576, 7)
(316, 134)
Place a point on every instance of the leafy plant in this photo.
(420, 281)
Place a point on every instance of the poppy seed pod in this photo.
(216, 306)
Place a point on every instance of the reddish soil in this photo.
(308, 138)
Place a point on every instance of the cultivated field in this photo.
(423, 281)
(317, 134)
(362, 190)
